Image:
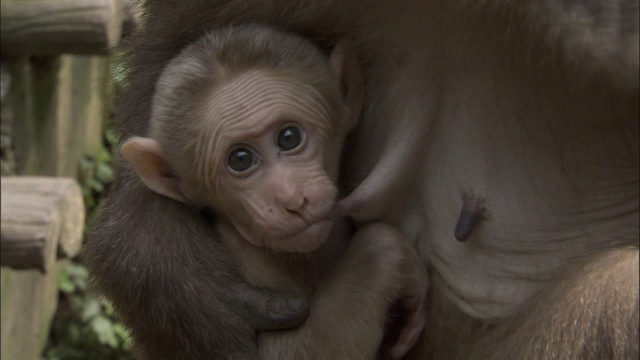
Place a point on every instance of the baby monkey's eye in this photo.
(289, 138)
(241, 160)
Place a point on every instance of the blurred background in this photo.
(59, 80)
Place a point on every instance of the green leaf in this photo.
(104, 156)
(104, 173)
(81, 283)
(89, 202)
(111, 137)
(77, 270)
(107, 307)
(103, 328)
(122, 332)
(87, 195)
(65, 284)
(96, 185)
(91, 309)
(86, 162)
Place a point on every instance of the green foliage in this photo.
(96, 172)
(85, 326)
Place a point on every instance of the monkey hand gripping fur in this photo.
(248, 123)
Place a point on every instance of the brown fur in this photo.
(590, 314)
(378, 266)
(546, 42)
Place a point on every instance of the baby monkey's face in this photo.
(271, 160)
(262, 148)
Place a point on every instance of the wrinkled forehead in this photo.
(250, 102)
(250, 106)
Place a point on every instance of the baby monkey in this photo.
(249, 121)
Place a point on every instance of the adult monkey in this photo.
(526, 110)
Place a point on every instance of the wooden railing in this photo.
(42, 221)
(56, 99)
(51, 27)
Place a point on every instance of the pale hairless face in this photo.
(266, 148)
(268, 162)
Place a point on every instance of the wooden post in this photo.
(51, 27)
(42, 219)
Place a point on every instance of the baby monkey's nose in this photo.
(291, 198)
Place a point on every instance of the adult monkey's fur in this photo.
(176, 292)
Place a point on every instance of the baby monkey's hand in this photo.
(408, 328)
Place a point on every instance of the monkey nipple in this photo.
(470, 215)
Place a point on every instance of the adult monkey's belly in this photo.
(554, 189)
(554, 159)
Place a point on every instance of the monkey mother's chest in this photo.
(530, 215)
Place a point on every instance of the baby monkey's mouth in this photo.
(309, 224)
(310, 237)
(310, 218)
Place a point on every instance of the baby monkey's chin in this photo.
(305, 240)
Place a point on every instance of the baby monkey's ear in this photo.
(346, 68)
(148, 160)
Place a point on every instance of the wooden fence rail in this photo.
(42, 221)
(51, 27)
(56, 97)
